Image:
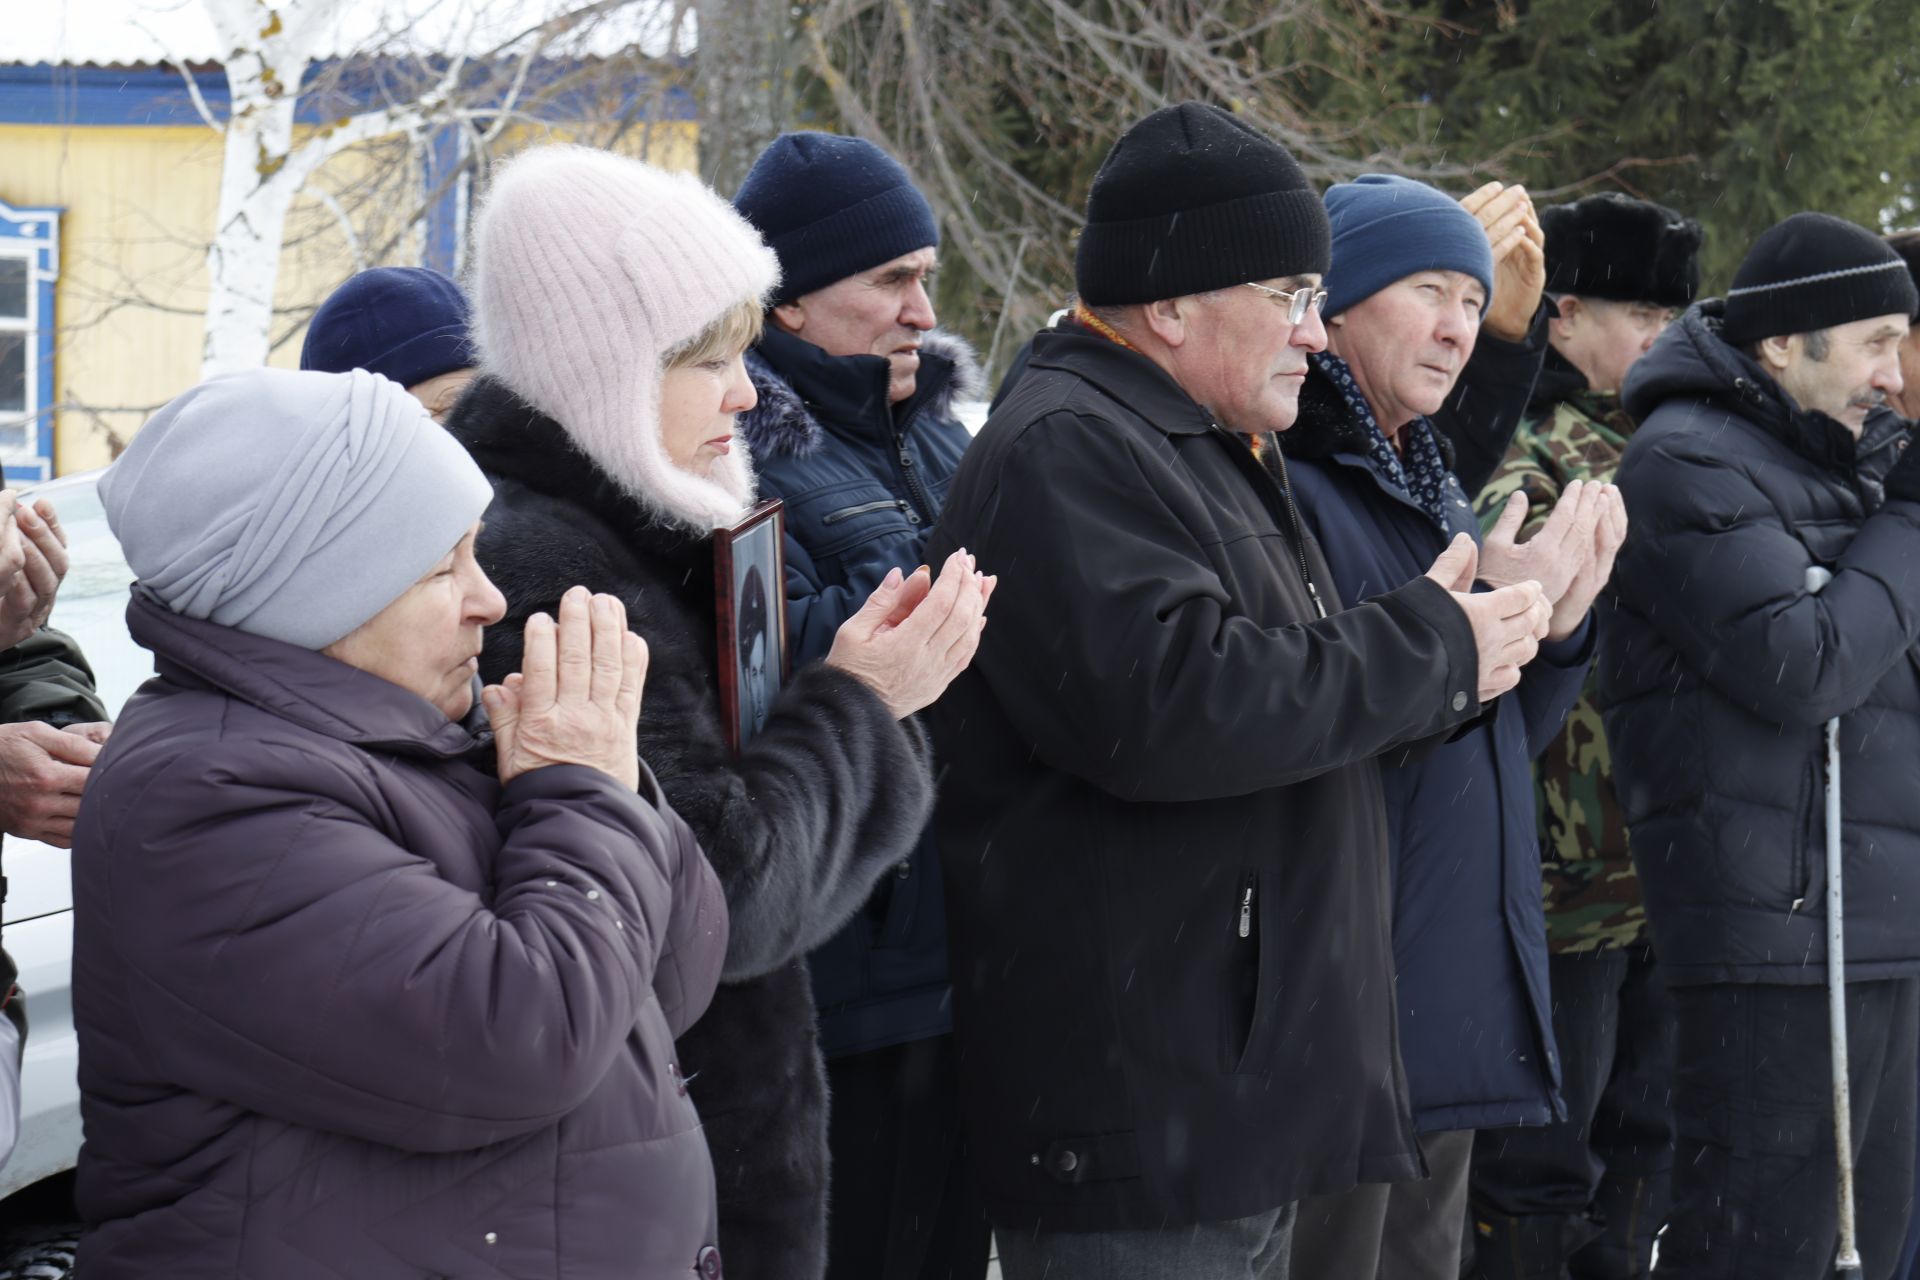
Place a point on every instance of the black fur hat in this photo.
(1613, 246)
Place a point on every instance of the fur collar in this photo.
(1326, 425)
(784, 424)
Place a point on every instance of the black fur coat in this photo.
(830, 795)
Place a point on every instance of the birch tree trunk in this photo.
(271, 44)
(265, 63)
(744, 82)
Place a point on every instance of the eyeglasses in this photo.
(1298, 302)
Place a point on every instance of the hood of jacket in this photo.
(1692, 361)
(801, 387)
(303, 686)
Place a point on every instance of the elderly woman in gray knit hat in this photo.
(347, 1003)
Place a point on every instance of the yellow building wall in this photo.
(139, 207)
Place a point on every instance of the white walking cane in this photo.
(1847, 1263)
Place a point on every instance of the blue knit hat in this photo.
(831, 207)
(406, 323)
(1387, 228)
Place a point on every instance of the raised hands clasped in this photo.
(33, 561)
(576, 697)
(1519, 257)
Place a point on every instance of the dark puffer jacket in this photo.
(863, 481)
(348, 1007)
(1469, 935)
(825, 799)
(1718, 670)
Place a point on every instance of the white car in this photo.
(35, 1197)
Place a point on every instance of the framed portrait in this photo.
(750, 592)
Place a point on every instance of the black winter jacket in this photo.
(822, 801)
(1161, 822)
(1718, 670)
(863, 481)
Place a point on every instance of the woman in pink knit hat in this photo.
(612, 304)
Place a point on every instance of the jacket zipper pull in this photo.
(1246, 911)
(1314, 591)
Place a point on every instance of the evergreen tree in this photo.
(1738, 112)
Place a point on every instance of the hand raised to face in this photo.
(576, 697)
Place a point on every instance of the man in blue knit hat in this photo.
(1413, 279)
(855, 430)
(408, 324)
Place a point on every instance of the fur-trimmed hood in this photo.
(785, 423)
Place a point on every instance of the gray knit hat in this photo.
(294, 506)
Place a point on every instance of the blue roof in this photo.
(49, 94)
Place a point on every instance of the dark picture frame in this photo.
(750, 624)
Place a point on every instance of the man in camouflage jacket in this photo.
(1585, 1197)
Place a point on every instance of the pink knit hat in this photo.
(591, 267)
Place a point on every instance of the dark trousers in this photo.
(1909, 1268)
(902, 1204)
(1754, 1186)
(1585, 1198)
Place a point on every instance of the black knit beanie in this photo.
(1811, 272)
(1613, 246)
(1192, 199)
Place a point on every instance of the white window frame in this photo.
(25, 251)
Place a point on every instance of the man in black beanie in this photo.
(1587, 1194)
(1720, 665)
(1160, 821)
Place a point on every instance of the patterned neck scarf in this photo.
(1422, 474)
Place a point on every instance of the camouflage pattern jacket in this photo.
(1592, 896)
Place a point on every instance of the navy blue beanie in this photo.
(831, 207)
(1387, 228)
(408, 323)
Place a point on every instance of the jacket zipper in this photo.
(1299, 534)
(907, 472)
(1246, 905)
(847, 513)
(919, 494)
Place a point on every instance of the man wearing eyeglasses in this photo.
(1160, 821)
(1411, 279)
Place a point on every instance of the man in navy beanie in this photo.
(408, 324)
(855, 429)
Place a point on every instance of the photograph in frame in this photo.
(749, 569)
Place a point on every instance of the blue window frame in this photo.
(29, 268)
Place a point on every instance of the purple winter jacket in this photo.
(348, 1007)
